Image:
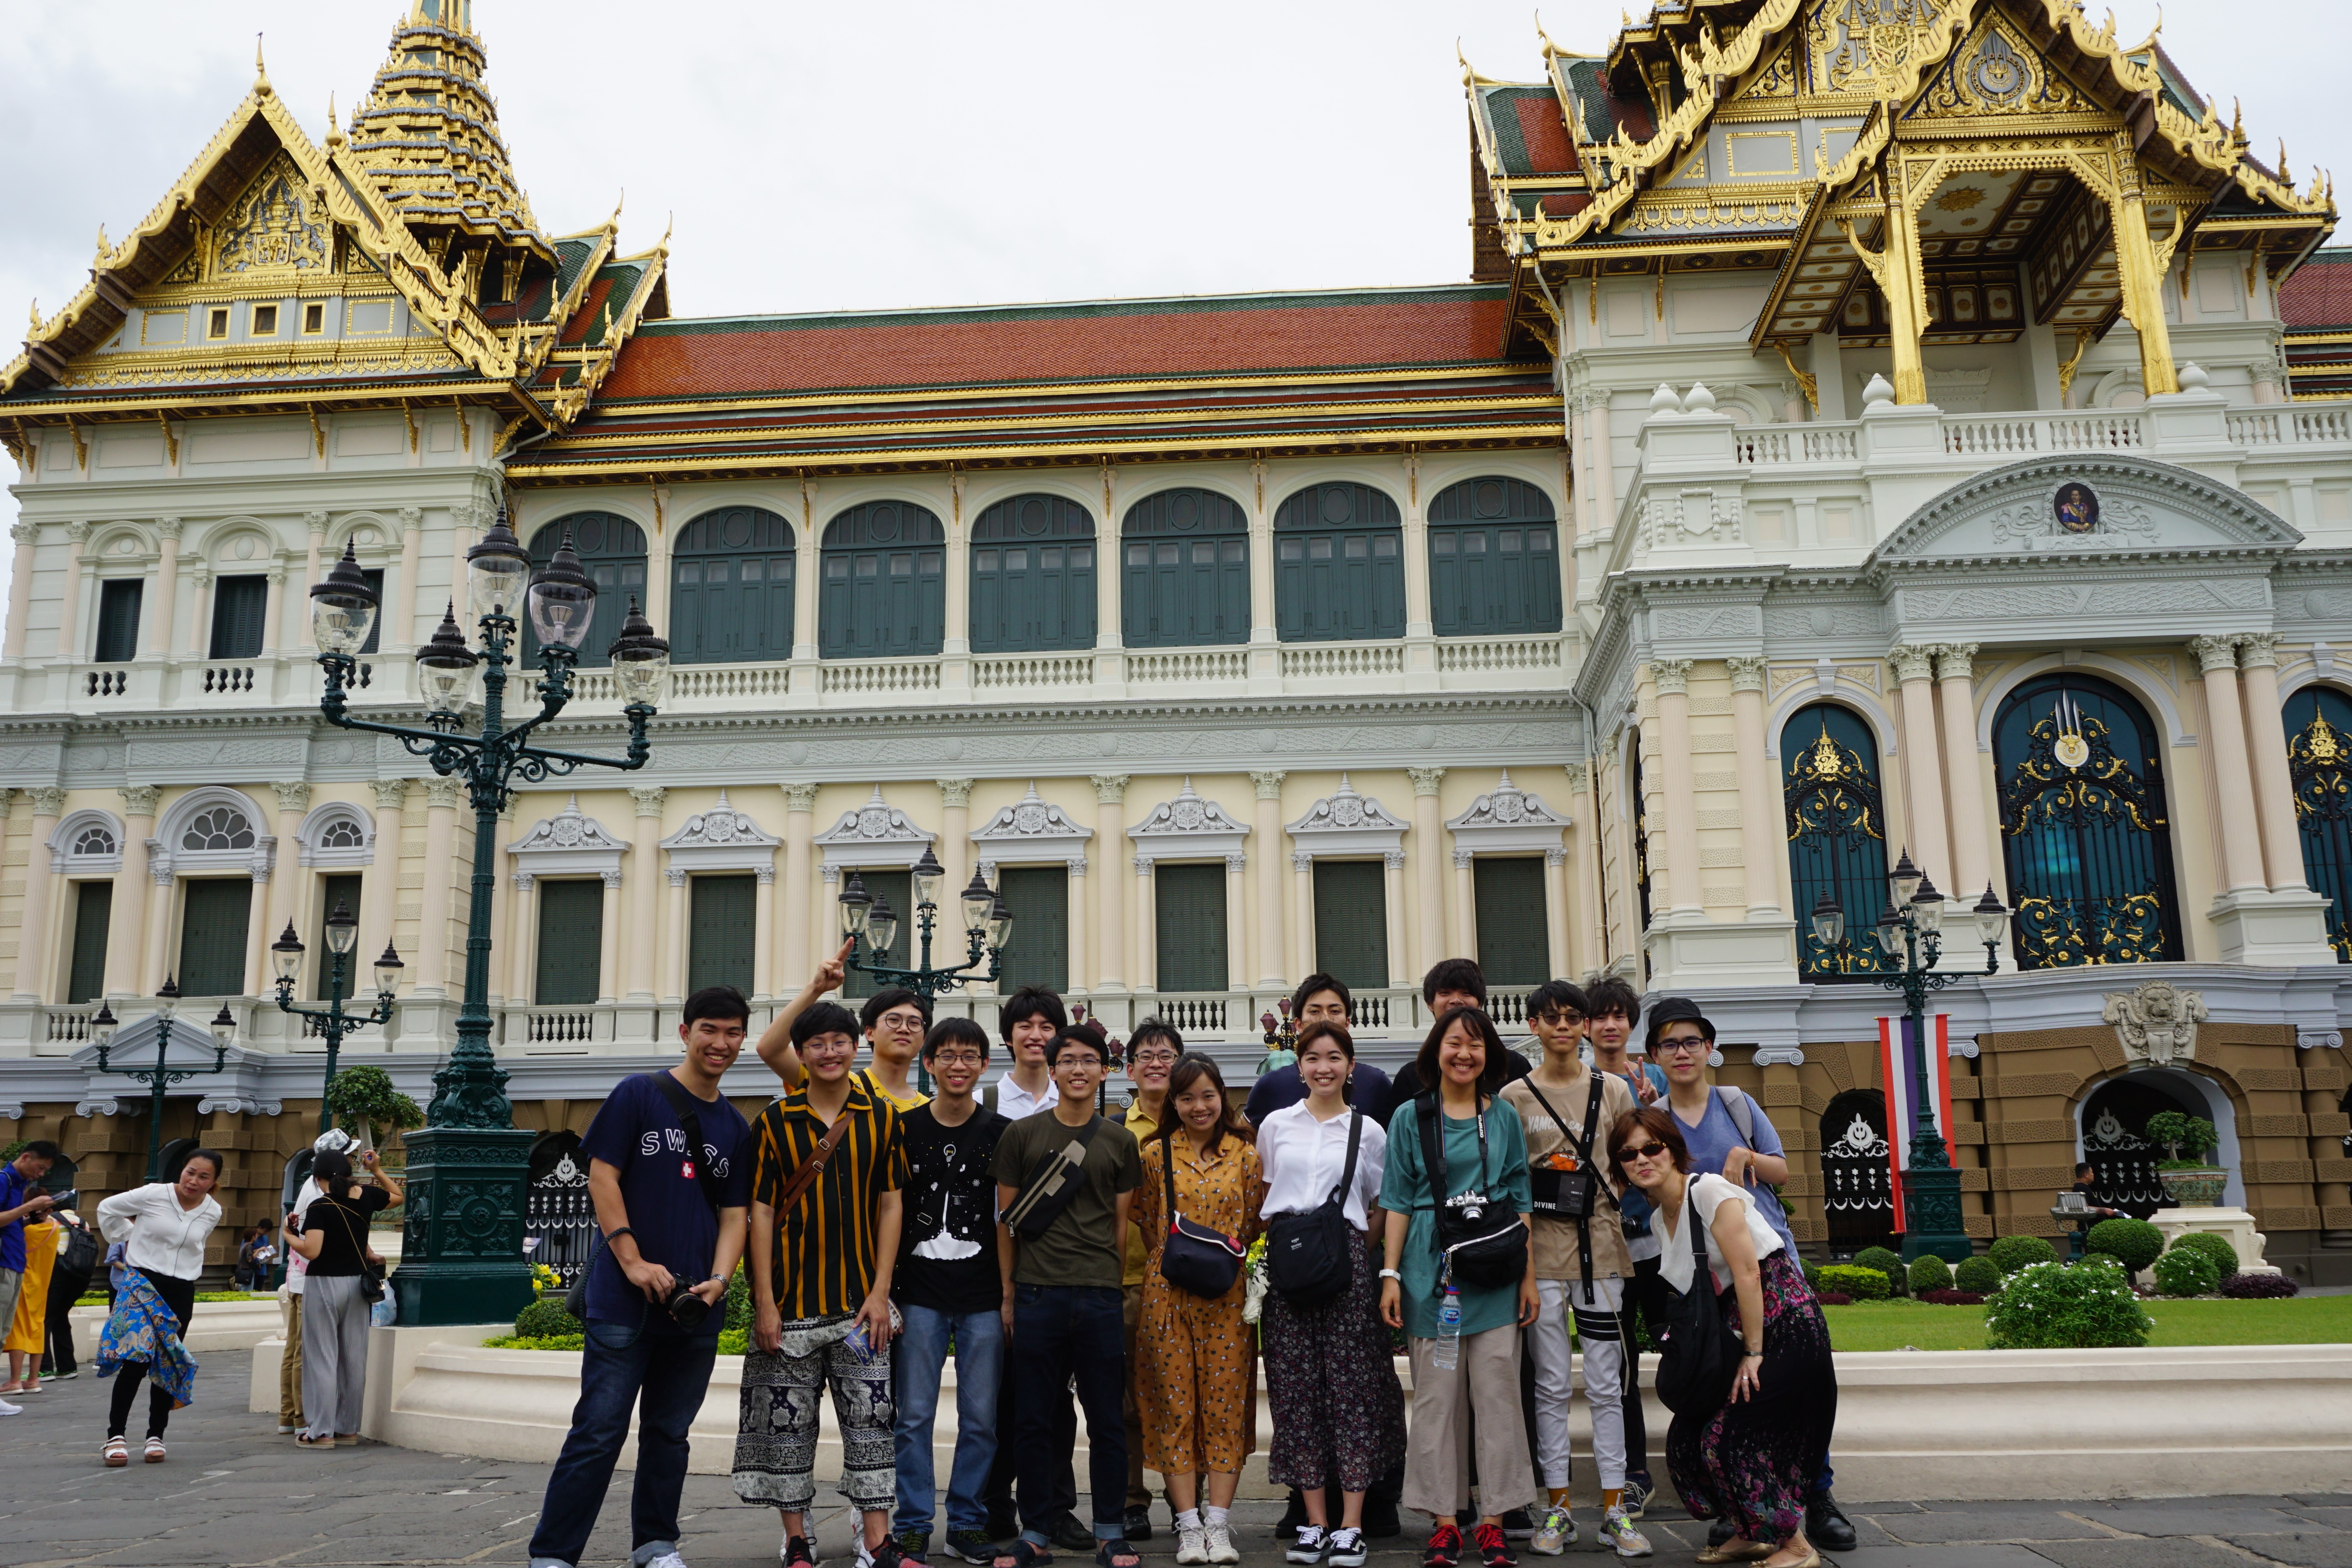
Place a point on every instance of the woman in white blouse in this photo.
(163, 1228)
(1330, 1378)
(1754, 1460)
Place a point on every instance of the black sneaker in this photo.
(1826, 1525)
(1637, 1493)
(1307, 1545)
(972, 1545)
(1381, 1521)
(1294, 1517)
(1071, 1534)
(1517, 1525)
(1494, 1546)
(1139, 1523)
(796, 1552)
(1347, 1549)
(890, 1554)
(914, 1544)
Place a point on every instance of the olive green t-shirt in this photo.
(1082, 1246)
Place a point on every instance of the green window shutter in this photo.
(1039, 897)
(1514, 934)
(237, 604)
(212, 936)
(898, 888)
(358, 975)
(731, 589)
(1189, 926)
(1032, 576)
(118, 620)
(883, 595)
(374, 642)
(725, 916)
(1339, 565)
(1493, 561)
(93, 910)
(1352, 922)
(571, 942)
(1184, 570)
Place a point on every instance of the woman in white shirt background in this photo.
(1330, 1380)
(163, 1228)
(1754, 1460)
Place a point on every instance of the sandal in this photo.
(1117, 1554)
(1025, 1553)
(117, 1453)
(155, 1451)
(1736, 1551)
(304, 1441)
(8, 1389)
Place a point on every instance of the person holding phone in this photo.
(339, 1293)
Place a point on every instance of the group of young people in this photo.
(1501, 1212)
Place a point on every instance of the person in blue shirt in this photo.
(673, 1219)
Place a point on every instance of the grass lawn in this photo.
(2298, 1320)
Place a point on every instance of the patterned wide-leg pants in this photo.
(775, 1442)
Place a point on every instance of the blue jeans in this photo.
(1059, 1331)
(663, 1374)
(922, 1351)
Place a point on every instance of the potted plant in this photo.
(2192, 1182)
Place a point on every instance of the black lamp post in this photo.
(334, 1023)
(160, 1077)
(467, 1165)
(1911, 931)
(872, 925)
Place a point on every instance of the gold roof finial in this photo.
(102, 246)
(2284, 178)
(335, 131)
(36, 312)
(613, 223)
(669, 227)
(260, 71)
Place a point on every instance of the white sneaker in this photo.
(1307, 1546)
(1346, 1547)
(1555, 1534)
(1221, 1543)
(8, 1410)
(1192, 1545)
(1618, 1531)
(667, 1560)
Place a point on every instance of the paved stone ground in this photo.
(235, 1493)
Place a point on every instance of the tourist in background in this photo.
(76, 1261)
(1330, 1378)
(1319, 999)
(1453, 983)
(1464, 1336)
(1198, 1358)
(161, 1228)
(339, 1293)
(290, 1294)
(21, 1199)
(27, 1327)
(1151, 1053)
(1754, 1460)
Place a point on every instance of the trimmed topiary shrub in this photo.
(1887, 1263)
(1981, 1275)
(546, 1319)
(2011, 1253)
(1929, 1273)
(1856, 1283)
(2134, 1243)
(1952, 1297)
(2258, 1287)
(2059, 1306)
(2217, 1247)
(2186, 1272)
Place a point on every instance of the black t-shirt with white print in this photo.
(947, 1241)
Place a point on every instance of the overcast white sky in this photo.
(819, 157)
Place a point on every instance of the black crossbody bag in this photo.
(1307, 1259)
(1487, 1248)
(1698, 1353)
(1195, 1257)
(1053, 1183)
(1566, 1195)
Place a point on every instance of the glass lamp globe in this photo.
(1989, 916)
(343, 929)
(1890, 932)
(387, 971)
(562, 600)
(223, 1027)
(103, 1023)
(496, 570)
(286, 953)
(882, 924)
(447, 669)
(928, 874)
(1829, 920)
(857, 906)
(979, 902)
(344, 608)
(1000, 923)
(1928, 906)
(1903, 879)
(640, 661)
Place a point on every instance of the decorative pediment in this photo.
(570, 843)
(876, 834)
(1187, 828)
(2062, 506)
(1030, 830)
(274, 227)
(1507, 820)
(1997, 71)
(1346, 824)
(721, 838)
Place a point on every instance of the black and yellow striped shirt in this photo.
(826, 1246)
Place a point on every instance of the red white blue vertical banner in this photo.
(1895, 1057)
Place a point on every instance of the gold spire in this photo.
(260, 71)
(36, 313)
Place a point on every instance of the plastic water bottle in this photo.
(1448, 1353)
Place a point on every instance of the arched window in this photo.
(1339, 565)
(884, 595)
(220, 828)
(2084, 830)
(1032, 576)
(611, 551)
(2121, 1155)
(1186, 578)
(1857, 1179)
(1494, 559)
(2319, 762)
(1836, 822)
(731, 589)
(95, 841)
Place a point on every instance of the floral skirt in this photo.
(1331, 1384)
(1755, 1461)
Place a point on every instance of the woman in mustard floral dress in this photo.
(1196, 1358)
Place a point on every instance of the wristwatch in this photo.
(1391, 1274)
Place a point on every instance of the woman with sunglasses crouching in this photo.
(1753, 1460)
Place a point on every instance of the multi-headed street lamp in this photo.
(872, 926)
(334, 1023)
(468, 1167)
(160, 1077)
(1911, 931)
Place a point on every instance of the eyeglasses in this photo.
(1626, 1156)
(899, 1020)
(1154, 1058)
(1694, 1045)
(1067, 1059)
(956, 1058)
(1559, 1021)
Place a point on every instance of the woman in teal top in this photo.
(1486, 1158)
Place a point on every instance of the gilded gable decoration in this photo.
(1996, 71)
(270, 228)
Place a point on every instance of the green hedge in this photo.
(2061, 1306)
(546, 1319)
(2134, 1243)
(2217, 1247)
(1863, 1284)
(1889, 1263)
(2011, 1253)
(2186, 1272)
(1979, 1275)
(1928, 1272)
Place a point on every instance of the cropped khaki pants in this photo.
(1437, 1447)
(289, 1363)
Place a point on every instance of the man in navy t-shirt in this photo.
(672, 1210)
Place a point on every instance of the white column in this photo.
(608, 951)
(1465, 905)
(1760, 842)
(522, 926)
(1269, 832)
(1392, 892)
(258, 936)
(163, 958)
(1145, 892)
(1428, 876)
(955, 627)
(380, 889)
(1111, 565)
(1556, 911)
(2225, 722)
(955, 856)
(293, 799)
(40, 893)
(1585, 835)
(1261, 571)
(1237, 965)
(442, 796)
(807, 554)
(200, 620)
(316, 522)
(656, 600)
(673, 946)
(1302, 917)
(69, 607)
(1418, 620)
(1110, 834)
(273, 606)
(1672, 678)
(1972, 851)
(793, 962)
(1081, 955)
(763, 933)
(1922, 771)
(1604, 468)
(402, 632)
(160, 604)
(126, 954)
(20, 587)
(644, 853)
(2266, 742)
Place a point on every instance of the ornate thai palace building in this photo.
(1866, 424)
